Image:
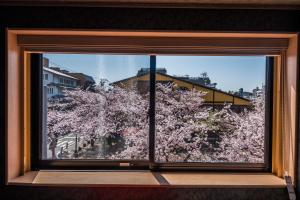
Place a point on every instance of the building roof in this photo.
(184, 80)
(87, 77)
(59, 73)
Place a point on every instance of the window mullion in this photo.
(152, 111)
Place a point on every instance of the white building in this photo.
(54, 82)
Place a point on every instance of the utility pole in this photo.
(76, 151)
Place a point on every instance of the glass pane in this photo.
(95, 106)
(210, 109)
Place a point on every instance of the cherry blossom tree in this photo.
(108, 113)
(184, 126)
(180, 123)
(118, 117)
(78, 112)
(246, 143)
(127, 117)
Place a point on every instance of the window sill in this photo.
(148, 179)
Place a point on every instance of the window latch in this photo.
(124, 164)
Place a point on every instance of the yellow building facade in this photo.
(213, 96)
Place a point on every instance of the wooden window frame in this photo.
(37, 163)
(22, 42)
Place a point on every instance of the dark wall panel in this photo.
(45, 193)
(151, 18)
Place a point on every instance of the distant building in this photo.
(55, 81)
(83, 80)
(249, 95)
(244, 94)
(258, 91)
(143, 71)
(213, 96)
(203, 80)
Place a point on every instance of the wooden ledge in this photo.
(148, 179)
(26, 179)
(225, 180)
(103, 178)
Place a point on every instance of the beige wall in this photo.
(289, 130)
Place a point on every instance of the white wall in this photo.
(54, 78)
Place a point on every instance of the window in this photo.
(46, 76)
(50, 90)
(105, 121)
(208, 110)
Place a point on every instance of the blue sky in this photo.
(229, 72)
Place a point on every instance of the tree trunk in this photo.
(53, 153)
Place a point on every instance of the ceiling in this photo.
(179, 3)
